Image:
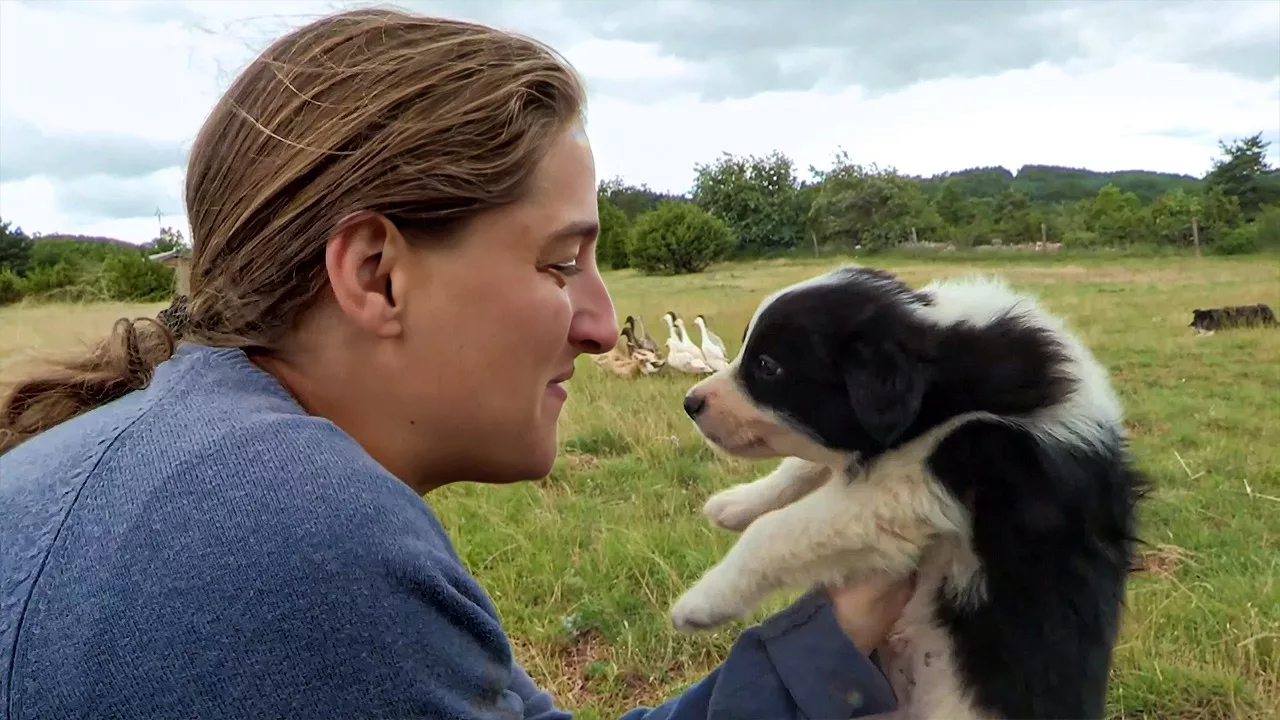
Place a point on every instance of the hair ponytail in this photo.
(123, 362)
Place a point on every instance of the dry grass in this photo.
(584, 565)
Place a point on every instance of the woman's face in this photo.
(492, 325)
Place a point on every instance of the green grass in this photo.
(584, 565)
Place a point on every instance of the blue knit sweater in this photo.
(204, 548)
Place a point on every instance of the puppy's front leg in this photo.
(737, 507)
(842, 530)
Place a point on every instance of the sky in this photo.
(99, 100)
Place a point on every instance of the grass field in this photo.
(584, 565)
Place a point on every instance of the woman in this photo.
(394, 221)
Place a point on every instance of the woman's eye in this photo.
(767, 367)
(568, 269)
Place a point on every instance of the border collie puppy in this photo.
(959, 432)
(1206, 322)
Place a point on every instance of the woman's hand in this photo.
(867, 610)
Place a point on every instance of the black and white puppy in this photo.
(958, 431)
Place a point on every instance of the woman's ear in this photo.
(360, 259)
(885, 387)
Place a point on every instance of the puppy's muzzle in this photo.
(694, 404)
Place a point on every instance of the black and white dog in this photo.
(1207, 322)
(958, 431)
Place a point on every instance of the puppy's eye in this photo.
(767, 368)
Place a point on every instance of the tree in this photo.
(1116, 217)
(1239, 172)
(1014, 218)
(676, 238)
(1171, 216)
(15, 249)
(615, 235)
(952, 206)
(169, 239)
(633, 200)
(864, 205)
(758, 197)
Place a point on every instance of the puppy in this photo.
(958, 431)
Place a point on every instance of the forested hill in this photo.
(1050, 184)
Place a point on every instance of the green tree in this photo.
(1014, 219)
(615, 235)
(1240, 171)
(15, 249)
(634, 200)
(168, 239)
(676, 238)
(952, 206)
(758, 197)
(1117, 217)
(864, 205)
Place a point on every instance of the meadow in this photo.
(584, 565)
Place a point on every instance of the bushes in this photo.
(133, 277)
(1237, 241)
(676, 238)
(12, 287)
(124, 275)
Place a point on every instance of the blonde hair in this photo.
(427, 121)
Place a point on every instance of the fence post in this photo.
(1195, 234)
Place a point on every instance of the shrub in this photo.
(1237, 241)
(129, 276)
(677, 238)
(1268, 227)
(1081, 239)
(47, 278)
(12, 287)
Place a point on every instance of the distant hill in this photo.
(63, 237)
(48, 250)
(1050, 184)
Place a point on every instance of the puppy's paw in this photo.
(735, 508)
(704, 606)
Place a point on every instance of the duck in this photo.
(713, 350)
(627, 358)
(640, 335)
(682, 354)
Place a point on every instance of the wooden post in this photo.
(814, 236)
(1195, 234)
(914, 238)
(1044, 233)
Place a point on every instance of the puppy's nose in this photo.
(694, 404)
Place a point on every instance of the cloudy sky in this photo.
(99, 100)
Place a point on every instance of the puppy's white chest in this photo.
(919, 666)
(919, 661)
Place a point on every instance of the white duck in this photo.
(713, 350)
(682, 354)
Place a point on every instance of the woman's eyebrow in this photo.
(576, 229)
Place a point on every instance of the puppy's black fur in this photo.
(1052, 513)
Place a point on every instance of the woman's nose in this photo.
(594, 328)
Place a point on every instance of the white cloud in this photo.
(140, 77)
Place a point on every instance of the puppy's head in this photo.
(831, 369)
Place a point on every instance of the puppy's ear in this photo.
(885, 387)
